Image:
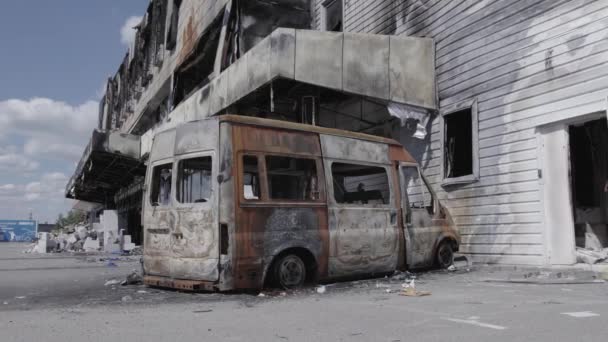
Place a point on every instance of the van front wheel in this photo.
(290, 271)
(445, 255)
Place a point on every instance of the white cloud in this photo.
(44, 198)
(17, 163)
(52, 129)
(41, 136)
(60, 150)
(127, 32)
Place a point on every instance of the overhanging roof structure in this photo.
(110, 161)
(387, 68)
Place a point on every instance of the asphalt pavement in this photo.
(70, 298)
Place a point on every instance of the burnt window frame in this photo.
(389, 174)
(261, 175)
(177, 175)
(150, 183)
(172, 37)
(453, 109)
(266, 184)
(325, 9)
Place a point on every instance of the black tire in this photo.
(289, 271)
(445, 255)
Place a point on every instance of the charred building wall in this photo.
(507, 74)
(515, 73)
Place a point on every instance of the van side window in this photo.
(292, 178)
(194, 180)
(360, 184)
(161, 185)
(251, 178)
(418, 193)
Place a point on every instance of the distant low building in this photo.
(17, 230)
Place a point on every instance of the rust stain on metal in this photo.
(266, 228)
(188, 39)
(185, 285)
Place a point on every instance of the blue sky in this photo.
(54, 60)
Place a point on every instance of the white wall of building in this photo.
(528, 63)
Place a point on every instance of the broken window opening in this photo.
(161, 185)
(174, 25)
(332, 13)
(251, 178)
(232, 46)
(193, 74)
(458, 147)
(194, 180)
(360, 184)
(292, 179)
(159, 25)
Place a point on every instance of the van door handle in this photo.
(393, 218)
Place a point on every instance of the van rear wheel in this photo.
(289, 271)
(445, 255)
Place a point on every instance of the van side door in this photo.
(422, 226)
(363, 217)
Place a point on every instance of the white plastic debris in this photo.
(5, 303)
(261, 295)
(91, 245)
(405, 112)
(20, 297)
(126, 299)
(452, 268)
(409, 285)
(112, 282)
(321, 289)
(142, 291)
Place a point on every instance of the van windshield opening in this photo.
(418, 193)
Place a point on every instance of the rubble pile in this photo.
(594, 251)
(103, 236)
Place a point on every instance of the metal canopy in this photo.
(397, 69)
(110, 162)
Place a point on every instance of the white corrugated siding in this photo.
(528, 63)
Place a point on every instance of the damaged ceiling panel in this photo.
(110, 161)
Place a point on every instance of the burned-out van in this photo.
(235, 202)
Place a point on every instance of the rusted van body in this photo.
(233, 202)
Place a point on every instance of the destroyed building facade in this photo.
(503, 103)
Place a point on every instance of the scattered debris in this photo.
(133, 279)
(402, 276)
(409, 290)
(142, 291)
(551, 278)
(321, 289)
(589, 256)
(452, 268)
(5, 303)
(126, 299)
(86, 237)
(112, 282)
(202, 311)
(20, 297)
(261, 295)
